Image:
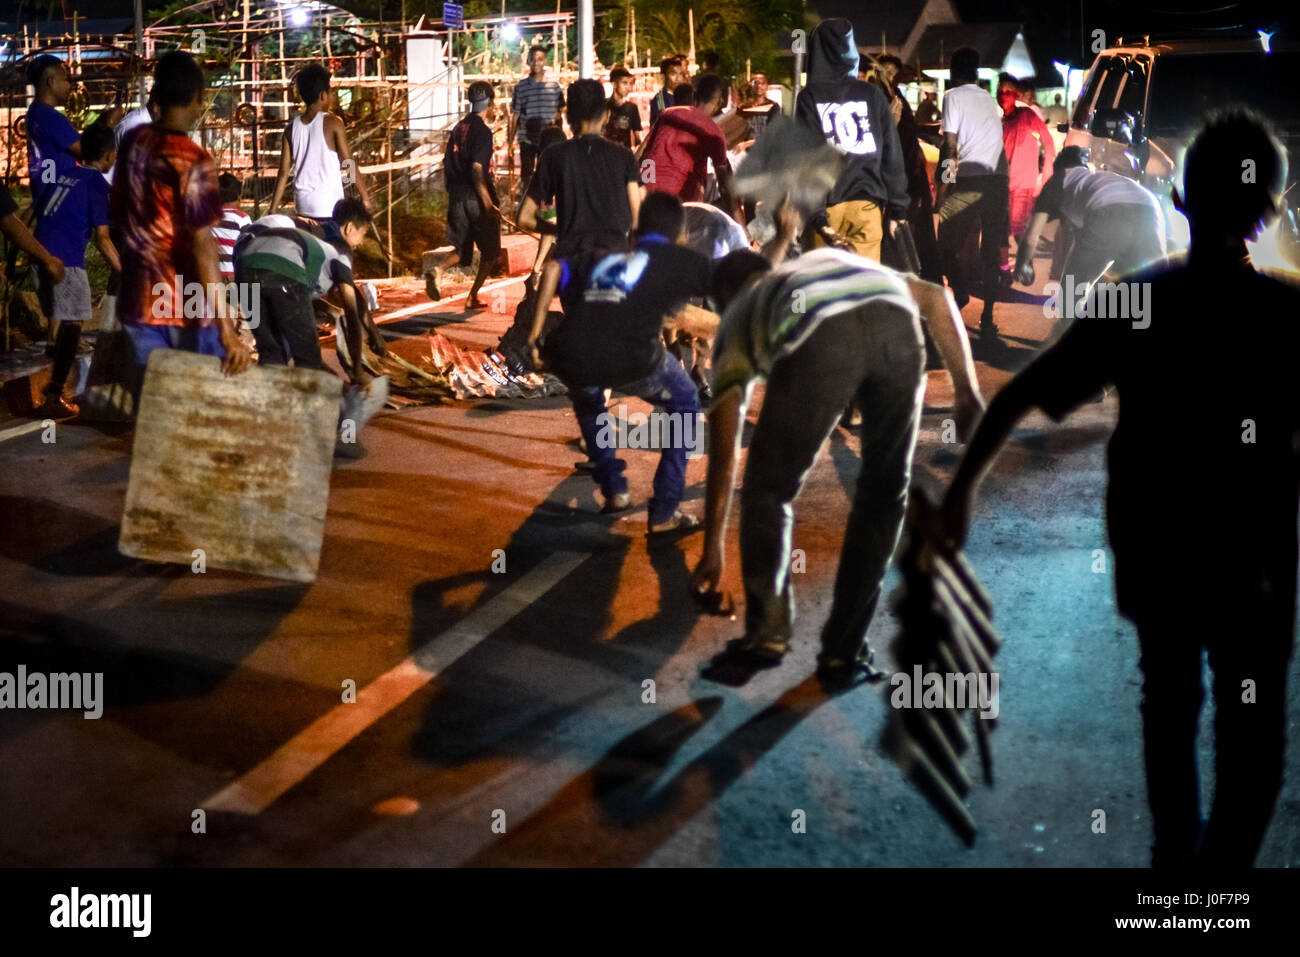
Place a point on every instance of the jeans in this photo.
(873, 353)
(287, 326)
(145, 338)
(667, 388)
(974, 201)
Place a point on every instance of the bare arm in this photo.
(480, 186)
(700, 323)
(725, 419)
(18, 234)
(545, 293)
(529, 222)
(1028, 243)
(282, 180)
(634, 192)
(943, 319)
(106, 248)
(206, 253)
(727, 192)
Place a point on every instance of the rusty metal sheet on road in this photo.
(237, 467)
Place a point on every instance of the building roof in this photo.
(992, 40)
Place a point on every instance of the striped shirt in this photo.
(226, 233)
(771, 318)
(295, 254)
(535, 99)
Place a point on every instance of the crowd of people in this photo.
(641, 223)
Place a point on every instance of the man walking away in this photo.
(1238, 505)
(854, 117)
(971, 182)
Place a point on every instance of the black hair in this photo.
(684, 95)
(667, 63)
(312, 80)
(1006, 79)
(964, 64)
(732, 271)
(177, 80)
(617, 74)
(231, 187)
(661, 213)
(709, 60)
(707, 87)
(585, 101)
(1217, 193)
(534, 48)
(97, 141)
(888, 59)
(350, 212)
(1026, 85)
(549, 137)
(36, 69)
(1071, 156)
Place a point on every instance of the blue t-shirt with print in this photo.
(76, 204)
(49, 137)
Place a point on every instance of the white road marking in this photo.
(16, 430)
(293, 761)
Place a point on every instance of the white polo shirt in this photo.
(976, 118)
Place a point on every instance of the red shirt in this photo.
(1021, 133)
(681, 143)
(164, 190)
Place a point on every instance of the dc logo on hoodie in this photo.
(847, 126)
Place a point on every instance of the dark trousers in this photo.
(287, 322)
(527, 164)
(65, 354)
(872, 354)
(1128, 237)
(1248, 642)
(669, 389)
(974, 202)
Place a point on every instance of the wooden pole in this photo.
(690, 20)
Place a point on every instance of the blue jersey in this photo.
(49, 137)
(76, 203)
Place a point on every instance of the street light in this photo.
(299, 16)
(510, 32)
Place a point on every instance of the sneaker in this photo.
(616, 503)
(679, 524)
(55, 407)
(840, 674)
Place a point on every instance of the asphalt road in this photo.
(503, 718)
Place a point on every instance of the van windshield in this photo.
(1186, 86)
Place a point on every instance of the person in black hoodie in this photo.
(854, 117)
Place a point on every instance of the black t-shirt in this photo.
(7, 204)
(1204, 481)
(470, 142)
(611, 333)
(623, 119)
(587, 177)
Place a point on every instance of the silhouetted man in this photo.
(1205, 555)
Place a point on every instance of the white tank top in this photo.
(317, 173)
